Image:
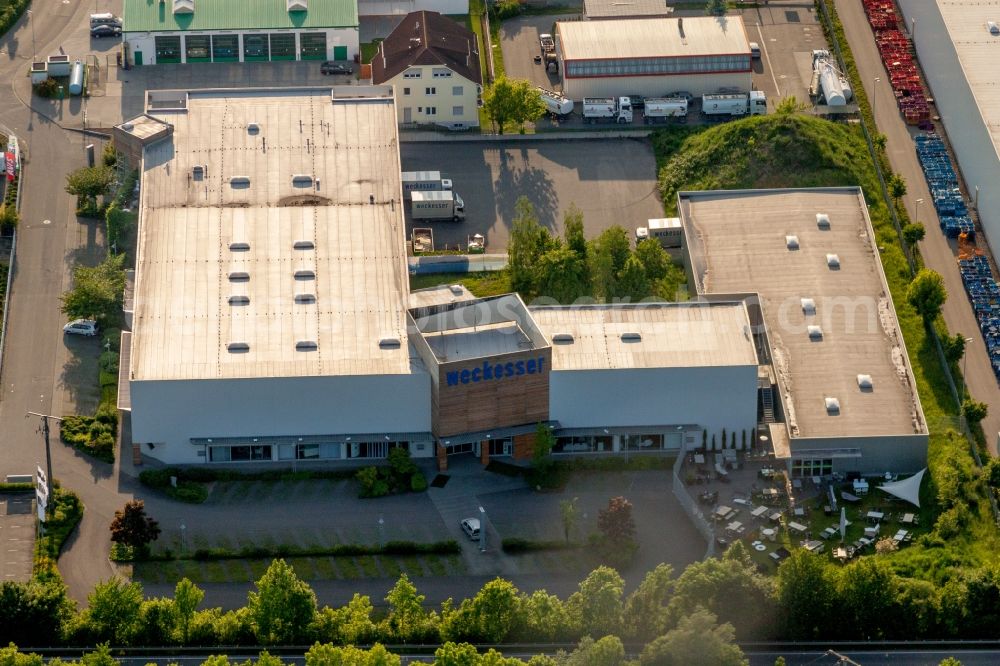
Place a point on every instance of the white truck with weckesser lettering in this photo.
(423, 181)
(440, 205)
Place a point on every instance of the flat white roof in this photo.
(647, 335)
(283, 254)
(653, 38)
(736, 242)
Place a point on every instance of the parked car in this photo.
(105, 30)
(87, 327)
(471, 527)
(755, 50)
(331, 67)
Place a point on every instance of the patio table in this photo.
(797, 527)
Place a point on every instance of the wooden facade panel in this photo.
(484, 401)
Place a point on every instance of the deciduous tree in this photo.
(569, 510)
(132, 527)
(697, 641)
(528, 242)
(113, 610)
(927, 293)
(97, 291)
(806, 593)
(645, 615)
(283, 605)
(616, 522)
(90, 182)
(597, 605)
(512, 101)
(187, 598)
(406, 616)
(913, 233)
(974, 411)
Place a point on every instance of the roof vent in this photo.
(823, 221)
(304, 245)
(808, 306)
(253, 128)
(865, 382)
(239, 300)
(238, 347)
(198, 172)
(389, 343)
(239, 182)
(833, 261)
(298, 5)
(239, 246)
(792, 242)
(457, 289)
(128, 127)
(305, 299)
(302, 180)
(631, 337)
(563, 338)
(305, 274)
(306, 345)
(832, 406)
(239, 276)
(183, 6)
(815, 332)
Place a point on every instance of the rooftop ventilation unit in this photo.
(238, 347)
(457, 289)
(389, 343)
(808, 306)
(833, 261)
(832, 406)
(305, 274)
(815, 332)
(298, 5)
(305, 299)
(823, 221)
(239, 182)
(239, 300)
(239, 276)
(563, 338)
(304, 245)
(306, 345)
(302, 180)
(865, 382)
(239, 246)
(183, 6)
(631, 337)
(792, 242)
(198, 172)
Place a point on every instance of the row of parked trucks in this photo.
(655, 109)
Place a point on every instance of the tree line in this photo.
(570, 268)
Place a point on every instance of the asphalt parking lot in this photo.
(17, 537)
(612, 181)
(519, 41)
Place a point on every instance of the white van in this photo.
(107, 18)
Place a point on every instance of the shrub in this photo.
(519, 545)
(505, 9)
(92, 435)
(418, 482)
(109, 362)
(47, 88)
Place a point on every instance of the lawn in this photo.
(784, 150)
(368, 50)
(482, 284)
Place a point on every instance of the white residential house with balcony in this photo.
(432, 63)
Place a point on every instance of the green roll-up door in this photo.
(340, 53)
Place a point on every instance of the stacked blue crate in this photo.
(984, 294)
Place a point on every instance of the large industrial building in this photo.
(958, 55)
(190, 31)
(653, 56)
(831, 350)
(272, 319)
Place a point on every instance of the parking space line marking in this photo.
(763, 47)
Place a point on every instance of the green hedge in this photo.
(16, 488)
(64, 513)
(93, 435)
(450, 547)
(519, 545)
(159, 478)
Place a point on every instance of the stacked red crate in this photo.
(896, 50)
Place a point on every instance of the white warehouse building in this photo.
(272, 320)
(653, 56)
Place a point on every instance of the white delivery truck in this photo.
(664, 108)
(423, 181)
(437, 205)
(753, 103)
(667, 231)
(607, 108)
(556, 103)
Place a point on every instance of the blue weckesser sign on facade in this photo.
(490, 371)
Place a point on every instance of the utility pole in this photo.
(48, 450)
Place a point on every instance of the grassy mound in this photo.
(764, 152)
(790, 150)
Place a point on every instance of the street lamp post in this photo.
(916, 211)
(965, 380)
(482, 530)
(875, 98)
(31, 20)
(381, 531)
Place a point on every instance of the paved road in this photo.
(937, 251)
(40, 367)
